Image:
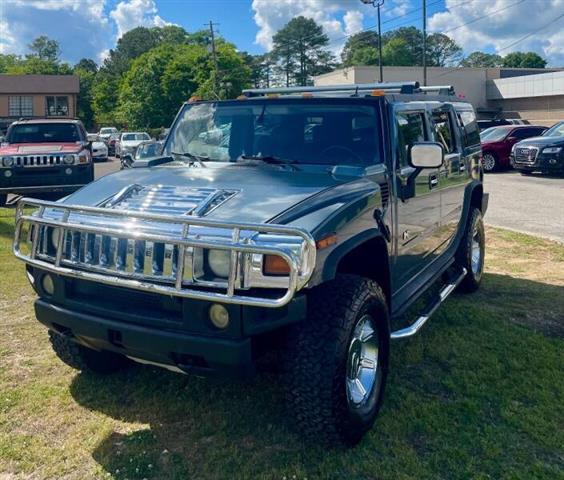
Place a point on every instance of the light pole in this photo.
(425, 42)
(377, 4)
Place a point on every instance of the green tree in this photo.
(396, 53)
(45, 49)
(300, 49)
(105, 91)
(356, 42)
(9, 62)
(442, 50)
(161, 79)
(523, 60)
(412, 43)
(86, 70)
(482, 59)
(365, 56)
(260, 67)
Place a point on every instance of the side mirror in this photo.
(126, 160)
(426, 155)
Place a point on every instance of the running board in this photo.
(422, 320)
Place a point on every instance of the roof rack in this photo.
(438, 89)
(388, 87)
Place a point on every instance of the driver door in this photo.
(418, 198)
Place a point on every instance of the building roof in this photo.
(37, 84)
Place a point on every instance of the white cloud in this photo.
(353, 22)
(504, 23)
(83, 28)
(129, 14)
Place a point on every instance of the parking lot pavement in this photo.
(103, 168)
(529, 204)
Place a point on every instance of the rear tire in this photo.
(3, 200)
(85, 359)
(472, 251)
(336, 361)
(526, 173)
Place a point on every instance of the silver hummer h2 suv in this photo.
(303, 221)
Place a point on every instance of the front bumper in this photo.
(157, 328)
(544, 162)
(187, 353)
(49, 179)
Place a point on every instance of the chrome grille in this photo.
(37, 160)
(526, 154)
(160, 253)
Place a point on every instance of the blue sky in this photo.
(88, 28)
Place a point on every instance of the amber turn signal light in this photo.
(275, 265)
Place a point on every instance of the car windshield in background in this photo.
(312, 132)
(494, 134)
(130, 137)
(44, 133)
(555, 131)
(105, 131)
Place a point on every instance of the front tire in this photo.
(85, 359)
(337, 360)
(490, 162)
(472, 252)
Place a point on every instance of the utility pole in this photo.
(378, 4)
(214, 56)
(424, 42)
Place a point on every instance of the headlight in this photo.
(7, 161)
(54, 238)
(551, 150)
(68, 159)
(218, 261)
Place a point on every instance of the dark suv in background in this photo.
(497, 143)
(543, 154)
(301, 221)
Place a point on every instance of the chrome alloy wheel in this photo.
(476, 252)
(362, 361)
(489, 162)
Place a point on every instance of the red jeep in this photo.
(498, 141)
(41, 155)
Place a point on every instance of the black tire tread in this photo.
(82, 358)
(313, 387)
(470, 283)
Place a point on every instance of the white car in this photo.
(129, 141)
(99, 148)
(106, 132)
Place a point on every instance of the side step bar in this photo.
(415, 327)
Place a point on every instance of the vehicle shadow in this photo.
(186, 427)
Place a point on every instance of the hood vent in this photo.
(169, 200)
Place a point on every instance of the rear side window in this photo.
(443, 130)
(471, 135)
(522, 133)
(411, 129)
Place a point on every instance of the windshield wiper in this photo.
(269, 159)
(192, 159)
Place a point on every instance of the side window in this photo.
(443, 130)
(521, 133)
(471, 129)
(411, 129)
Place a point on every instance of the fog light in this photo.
(8, 173)
(552, 161)
(68, 171)
(219, 316)
(47, 284)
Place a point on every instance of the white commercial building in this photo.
(536, 95)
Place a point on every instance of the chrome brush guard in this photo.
(162, 253)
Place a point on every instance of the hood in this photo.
(39, 148)
(228, 192)
(542, 142)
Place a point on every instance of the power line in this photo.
(530, 34)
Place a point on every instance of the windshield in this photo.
(44, 133)
(128, 137)
(300, 131)
(555, 131)
(106, 131)
(494, 134)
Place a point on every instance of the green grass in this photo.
(478, 394)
